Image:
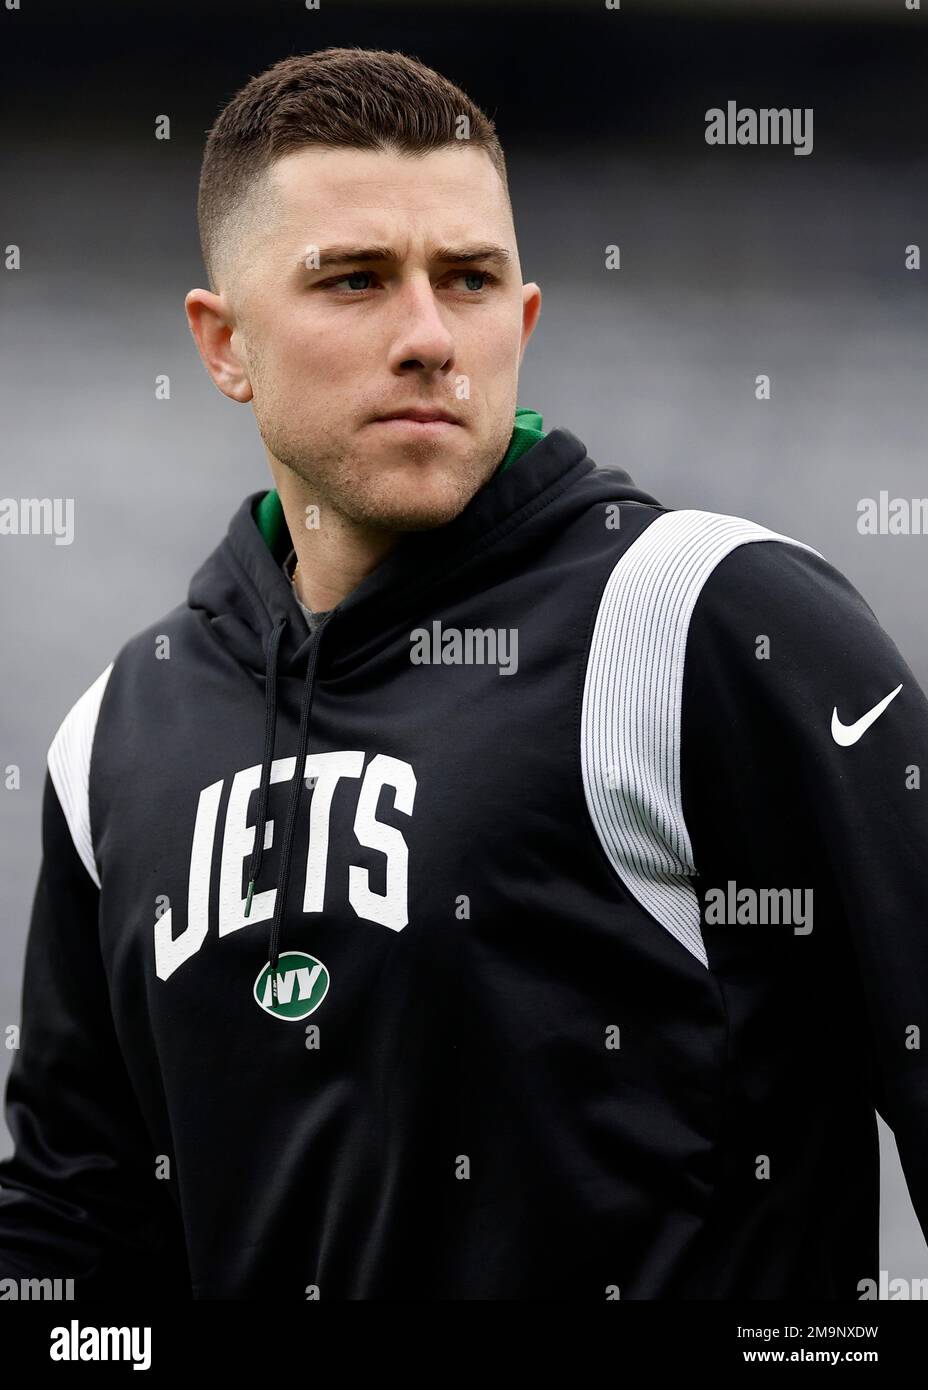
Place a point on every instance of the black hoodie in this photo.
(571, 965)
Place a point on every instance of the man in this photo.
(489, 883)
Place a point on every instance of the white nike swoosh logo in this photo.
(846, 734)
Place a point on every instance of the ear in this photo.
(531, 309)
(218, 344)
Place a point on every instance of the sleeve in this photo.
(78, 1197)
(807, 738)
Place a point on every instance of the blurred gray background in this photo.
(735, 261)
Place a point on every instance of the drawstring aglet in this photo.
(251, 889)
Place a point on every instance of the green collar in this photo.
(269, 515)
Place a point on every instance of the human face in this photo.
(330, 343)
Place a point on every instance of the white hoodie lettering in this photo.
(389, 909)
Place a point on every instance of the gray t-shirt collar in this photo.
(312, 619)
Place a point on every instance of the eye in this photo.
(355, 275)
(484, 275)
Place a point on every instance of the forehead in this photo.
(449, 193)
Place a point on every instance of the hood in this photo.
(244, 594)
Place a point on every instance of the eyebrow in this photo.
(446, 255)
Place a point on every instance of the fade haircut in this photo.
(338, 98)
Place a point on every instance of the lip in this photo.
(417, 415)
(407, 422)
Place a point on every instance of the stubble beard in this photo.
(353, 484)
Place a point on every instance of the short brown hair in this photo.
(349, 98)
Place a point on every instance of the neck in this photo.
(331, 562)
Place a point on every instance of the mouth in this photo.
(418, 418)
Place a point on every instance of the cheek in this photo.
(295, 366)
(287, 334)
(502, 340)
(495, 356)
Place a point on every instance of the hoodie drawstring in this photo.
(296, 782)
(270, 729)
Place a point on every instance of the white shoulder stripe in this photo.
(632, 706)
(69, 765)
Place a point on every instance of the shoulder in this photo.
(70, 753)
(68, 760)
(711, 569)
(675, 556)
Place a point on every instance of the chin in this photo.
(415, 508)
(414, 517)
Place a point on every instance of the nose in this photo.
(422, 339)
